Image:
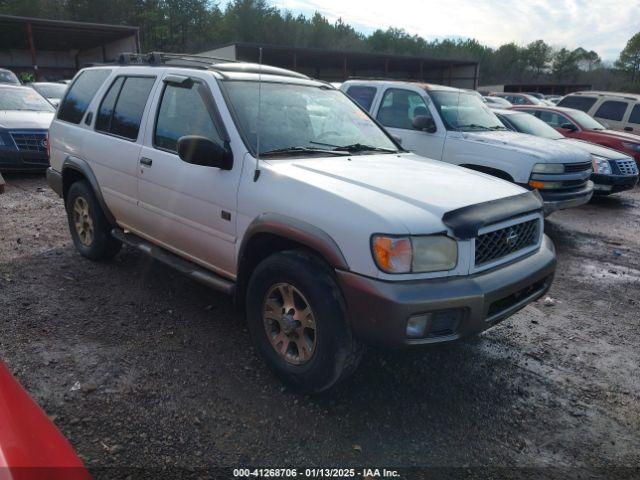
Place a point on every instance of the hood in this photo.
(544, 149)
(14, 120)
(405, 187)
(595, 149)
(624, 136)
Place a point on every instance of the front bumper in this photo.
(613, 183)
(22, 161)
(379, 310)
(561, 199)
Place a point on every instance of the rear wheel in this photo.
(90, 230)
(298, 322)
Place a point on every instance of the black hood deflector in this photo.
(465, 222)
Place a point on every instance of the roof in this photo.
(599, 93)
(425, 86)
(554, 108)
(60, 34)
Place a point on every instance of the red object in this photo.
(31, 447)
(607, 138)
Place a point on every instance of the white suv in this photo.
(281, 191)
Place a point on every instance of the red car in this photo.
(577, 124)
(31, 447)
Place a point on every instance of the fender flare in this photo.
(297, 230)
(83, 167)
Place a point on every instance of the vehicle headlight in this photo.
(601, 165)
(548, 168)
(632, 146)
(415, 254)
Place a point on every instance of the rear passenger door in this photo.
(612, 113)
(113, 145)
(189, 209)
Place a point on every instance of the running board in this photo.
(183, 266)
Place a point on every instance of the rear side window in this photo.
(635, 115)
(79, 96)
(363, 96)
(400, 107)
(612, 110)
(183, 111)
(122, 107)
(579, 103)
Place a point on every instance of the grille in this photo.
(627, 167)
(494, 245)
(577, 167)
(30, 141)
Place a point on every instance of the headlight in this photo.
(632, 146)
(414, 254)
(601, 165)
(548, 168)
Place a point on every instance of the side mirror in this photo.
(568, 126)
(424, 123)
(205, 152)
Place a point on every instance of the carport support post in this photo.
(344, 68)
(32, 49)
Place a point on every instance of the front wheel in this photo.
(298, 322)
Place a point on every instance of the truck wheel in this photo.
(90, 230)
(298, 322)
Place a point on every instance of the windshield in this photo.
(302, 117)
(22, 98)
(51, 90)
(586, 121)
(464, 111)
(527, 123)
(7, 76)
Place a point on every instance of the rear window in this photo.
(79, 96)
(363, 96)
(579, 103)
(635, 115)
(612, 110)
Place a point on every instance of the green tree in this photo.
(565, 64)
(629, 60)
(537, 56)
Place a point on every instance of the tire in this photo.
(332, 352)
(93, 239)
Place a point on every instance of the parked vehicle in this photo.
(25, 117)
(30, 445)
(619, 111)
(613, 171)
(577, 124)
(7, 76)
(53, 92)
(454, 126)
(497, 102)
(553, 98)
(517, 98)
(278, 189)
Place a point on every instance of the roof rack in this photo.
(203, 62)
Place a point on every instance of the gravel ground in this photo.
(167, 377)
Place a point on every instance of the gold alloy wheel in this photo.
(83, 221)
(289, 323)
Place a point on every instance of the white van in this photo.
(455, 126)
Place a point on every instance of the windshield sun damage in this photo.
(303, 120)
(464, 111)
(23, 99)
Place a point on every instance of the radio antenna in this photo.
(256, 174)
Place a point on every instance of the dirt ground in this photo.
(140, 367)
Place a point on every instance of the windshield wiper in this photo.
(295, 150)
(472, 125)
(359, 147)
(497, 127)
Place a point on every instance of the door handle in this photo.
(628, 129)
(146, 161)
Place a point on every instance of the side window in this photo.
(122, 107)
(183, 111)
(635, 114)
(400, 107)
(612, 110)
(80, 94)
(553, 119)
(577, 102)
(517, 100)
(363, 96)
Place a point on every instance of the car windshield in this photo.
(50, 90)
(586, 121)
(303, 119)
(527, 123)
(464, 111)
(7, 76)
(22, 98)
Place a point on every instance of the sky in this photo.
(601, 25)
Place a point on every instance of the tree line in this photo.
(197, 25)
